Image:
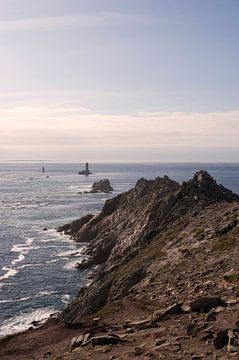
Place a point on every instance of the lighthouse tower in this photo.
(86, 171)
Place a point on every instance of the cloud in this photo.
(73, 21)
(73, 129)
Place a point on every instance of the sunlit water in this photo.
(37, 274)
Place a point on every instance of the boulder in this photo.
(204, 304)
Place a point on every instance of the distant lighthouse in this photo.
(85, 172)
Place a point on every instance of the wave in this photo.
(39, 294)
(65, 298)
(22, 249)
(29, 265)
(57, 235)
(51, 261)
(76, 252)
(9, 272)
(25, 320)
(20, 258)
(45, 293)
(15, 300)
(70, 265)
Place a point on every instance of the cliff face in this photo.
(131, 232)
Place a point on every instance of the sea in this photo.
(37, 264)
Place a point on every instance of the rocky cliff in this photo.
(127, 226)
(166, 284)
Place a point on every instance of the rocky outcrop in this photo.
(75, 226)
(101, 186)
(120, 237)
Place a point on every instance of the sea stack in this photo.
(85, 172)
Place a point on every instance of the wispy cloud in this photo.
(73, 21)
(76, 125)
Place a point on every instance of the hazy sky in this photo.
(119, 80)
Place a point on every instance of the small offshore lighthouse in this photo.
(85, 172)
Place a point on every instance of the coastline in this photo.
(173, 245)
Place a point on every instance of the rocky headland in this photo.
(165, 284)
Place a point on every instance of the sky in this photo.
(128, 80)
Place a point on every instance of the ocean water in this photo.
(37, 274)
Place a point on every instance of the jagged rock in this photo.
(75, 226)
(204, 304)
(204, 187)
(102, 186)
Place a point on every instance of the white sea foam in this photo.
(24, 321)
(70, 265)
(9, 272)
(29, 241)
(39, 294)
(76, 252)
(15, 300)
(52, 261)
(65, 253)
(22, 249)
(65, 298)
(49, 240)
(28, 265)
(54, 235)
(45, 293)
(20, 258)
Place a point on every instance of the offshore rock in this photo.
(102, 186)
